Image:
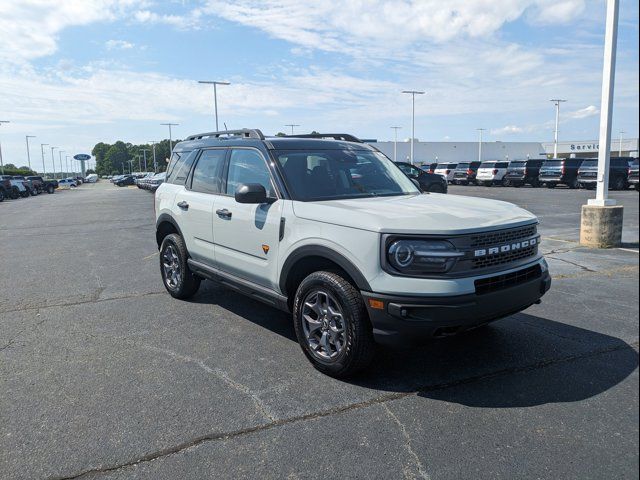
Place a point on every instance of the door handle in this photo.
(224, 213)
(183, 205)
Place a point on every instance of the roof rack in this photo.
(243, 133)
(336, 136)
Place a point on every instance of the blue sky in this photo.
(75, 73)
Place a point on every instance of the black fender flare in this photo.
(166, 218)
(323, 252)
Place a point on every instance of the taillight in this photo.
(495, 171)
(564, 170)
(469, 172)
(448, 172)
(525, 172)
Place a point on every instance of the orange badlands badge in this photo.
(265, 248)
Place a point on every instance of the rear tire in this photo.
(575, 184)
(332, 325)
(1, 195)
(50, 189)
(177, 277)
(620, 184)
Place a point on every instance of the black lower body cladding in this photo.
(405, 320)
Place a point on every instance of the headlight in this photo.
(417, 257)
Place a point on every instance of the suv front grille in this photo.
(500, 282)
(504, 236)
(504, 258)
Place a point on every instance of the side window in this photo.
(405, 169)
(179, 167)
(248, 166)
(207, 174)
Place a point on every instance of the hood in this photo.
(436, 214)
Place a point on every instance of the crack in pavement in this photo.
(221, 374)
(380, 400)
(407, 443)
(586, 269)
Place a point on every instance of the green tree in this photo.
(100, 153)
(117, 157)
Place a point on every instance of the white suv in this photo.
(446, 170)
(492, 173)
(328, 228)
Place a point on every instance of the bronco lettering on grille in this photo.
(511, 247)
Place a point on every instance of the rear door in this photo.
(194, 204)
(247, 235)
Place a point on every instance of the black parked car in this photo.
(522, 172)
(633, 174)
(28, 184)
(561, 171)
(42, 184)
(465, 173)
(429, 182)
(618, 173)
(126, 180)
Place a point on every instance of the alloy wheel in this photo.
(324, 325)
(171, 266)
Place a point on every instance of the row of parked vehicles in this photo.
(19, 186)
(573, 172)
(146, 180)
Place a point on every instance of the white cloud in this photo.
(30, 28)
(507, 130)
(119, 45)
(585, 112)
(554, 12)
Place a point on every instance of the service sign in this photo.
(82, 156)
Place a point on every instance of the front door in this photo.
(247, 235)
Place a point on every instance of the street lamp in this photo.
(66, 161)
(44, 167)
(170, 139)
(60, 152)
(53, 162)
(292, 125)
(155, 162)
(480, 130)
(622, 132)
(144, 155)
(557, 102)
(413, 94)
(1, 161)
(27, 137)
(395, 143)
(215, 95)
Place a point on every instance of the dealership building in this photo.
(429, 152)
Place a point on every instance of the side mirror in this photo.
(251, 193)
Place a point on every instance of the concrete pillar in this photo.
(601, 227)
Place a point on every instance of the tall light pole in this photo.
(27, 137)
(622, 132)
(144, 156)
(215, 95)
(53, 161)
(413, 94)
(395, 142)
(170, 139)
(557, 102)
(60, 152)
(1, 161)
(66, 161)
(291, 125)
(44, 167)
(480, 130)
(606, 106)
(155, 162)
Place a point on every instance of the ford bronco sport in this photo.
(328, 228)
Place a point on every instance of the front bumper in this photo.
(411, 320)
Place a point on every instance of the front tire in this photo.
(435, 188)
(332, 325)
(177, 277)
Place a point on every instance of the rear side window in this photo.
(179, 167)
(463, 166)
(502, 165)
(207, 173)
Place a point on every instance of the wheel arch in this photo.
(166, 225)
(309, 258)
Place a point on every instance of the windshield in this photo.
(589, 163)
(339, 174)
(553, 163)
(488, 165)
(463, 166)
(518, 164)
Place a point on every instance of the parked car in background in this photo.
(79, 180)
(14, 188)
(42, 184)
(124, 181)
(5, 188)
(429, 167)
(633, 174)
(446, 170)
(523, 172)
(561, 171)
(154, 182)
(28, 184)
(492, 172)
(618, 173)
(139, 180)
(465, 173)
(91, 178)
(67, 183)
(429, 182)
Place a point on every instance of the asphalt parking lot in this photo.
(104, 375)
